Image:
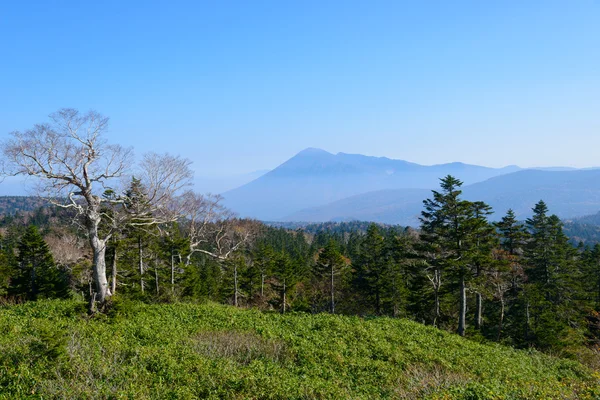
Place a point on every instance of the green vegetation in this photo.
(519, 284)
(51, 349)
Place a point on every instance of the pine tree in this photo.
(482, 241)
(287, 272)
(37, 275)
(513, 234)
(264, 260)
(399, 251)
(552, 290)
(330, 264)
(508, 276)
(452, 234)
(371, 269)
(139, 228)
(6, 267)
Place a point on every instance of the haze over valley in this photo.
(317, 186)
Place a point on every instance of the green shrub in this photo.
(52, 349)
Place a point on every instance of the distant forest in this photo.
(520, 283)
(10, 205)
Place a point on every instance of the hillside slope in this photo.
(51, 350)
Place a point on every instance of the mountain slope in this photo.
(568, 194)
(400, 207)
(315, 177)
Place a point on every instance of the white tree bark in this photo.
(75, 165)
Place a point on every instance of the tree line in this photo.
(520, 283)
(150, 237)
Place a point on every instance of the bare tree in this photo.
(67, 249)
(214, 231)
(206, 222)
(76, 166)
(71, 157)
(150, 201)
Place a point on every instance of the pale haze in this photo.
(240, 87)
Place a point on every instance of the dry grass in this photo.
(243, 347)
(420, 381)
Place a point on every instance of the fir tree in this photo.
(37, 275)
(330, 264)
(371, 268)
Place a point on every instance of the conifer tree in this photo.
(6, 267)
(371, 269)
(508, 276)
(513, 234)
(482, 240)
(264, 261)
(37, 275)
(552, 291)
(287, 272)
(452, 229)
(330, 264)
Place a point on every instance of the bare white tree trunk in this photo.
(99, 268)
(501, 322)
(141, 263)
(71, 159)
(332, 288)
(114, 272)
(172, 272)
(156, 275)
(478, 310)
(283, 297)
(463, 307)
(235, 285)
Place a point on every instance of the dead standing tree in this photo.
(213, 230)
(152, 200)
(71, 158)
(76, 165)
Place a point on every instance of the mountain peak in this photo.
(312, 151)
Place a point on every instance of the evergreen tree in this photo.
(513, 234)
(482, 240)
(399, 250)
(371, 269)
(330, 264)
(6, 267)
(508, 276)
(138, 233)
(552, 292)
(264, 261)
(452, 230)
(287, 272)
(37, 275)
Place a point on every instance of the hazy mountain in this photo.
(593, 219)
(568, 194)
(220, 184)
(315, 177)
(399, 206)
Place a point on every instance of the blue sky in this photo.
(239, 86)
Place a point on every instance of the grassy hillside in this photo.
(51, 349)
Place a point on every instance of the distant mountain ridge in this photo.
(569, 194)
(315, 177)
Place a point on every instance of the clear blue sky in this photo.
(238, 86)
